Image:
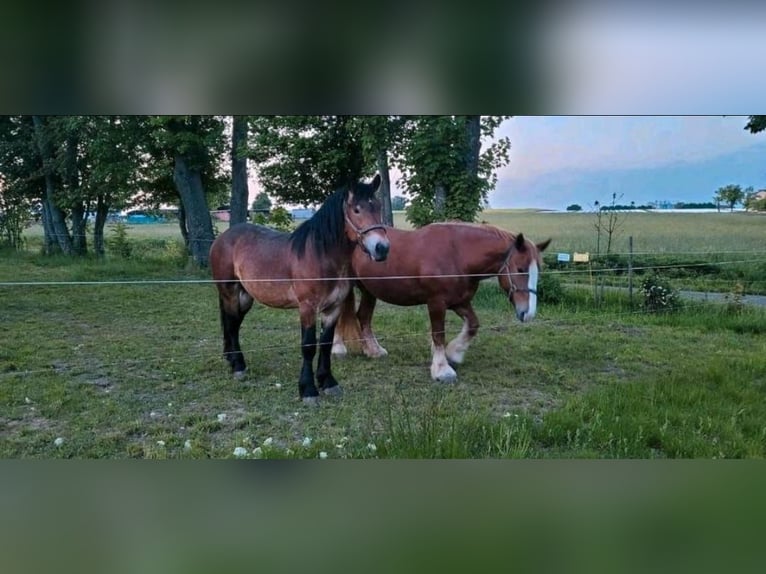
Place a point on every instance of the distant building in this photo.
(302, 213)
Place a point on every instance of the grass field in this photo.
(134, 370)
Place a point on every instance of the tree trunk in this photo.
(50, 243)
(79, 217)
(239, 189)
(78, 214)
(102, 210)
(471, 159)
(200, 227)
(440, 202)
(385, 187)
(182, 224)
(473, 145)
(56, 216)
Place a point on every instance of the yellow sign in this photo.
(581, 257)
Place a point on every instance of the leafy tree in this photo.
(730, 194)
(262, 202)
(303, 159)
(380, 136)
(22, 186)
(756, 124)
(574, 207)
(398, 203)
(193, 146)
(444, 171)
(752, 203)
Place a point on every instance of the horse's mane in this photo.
(326, 228)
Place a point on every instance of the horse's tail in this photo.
(347, 329)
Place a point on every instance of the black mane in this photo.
(326, 228)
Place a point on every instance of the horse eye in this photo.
(357, 210)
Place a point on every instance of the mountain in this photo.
(694, 181)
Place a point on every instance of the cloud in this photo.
(541, 145)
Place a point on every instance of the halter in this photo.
(360, 232)
(507, 267)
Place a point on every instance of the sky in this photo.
(693, 153)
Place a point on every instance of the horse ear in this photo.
(375, 182)
(520, 244)
(543, 245)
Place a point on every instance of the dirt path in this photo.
(759, 300)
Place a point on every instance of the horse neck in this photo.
(494, 245)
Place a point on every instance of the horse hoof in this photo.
(311, 401)
(446, 378)
(335, 392)
(239, 375)
(339, 351)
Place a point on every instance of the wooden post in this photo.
(630, 270)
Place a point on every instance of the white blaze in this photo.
(532, 285)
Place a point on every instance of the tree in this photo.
(756, 124)
(609, 221)
(574, 207)
(730, 194)
(239, 189)
(262, 202)
(194, 145)
(398, 203)
(22, 185)
(753, 203)
(444, 171)
(381, 135)
(303, 159)
(54, 219)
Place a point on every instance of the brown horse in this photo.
(307, 269)
(440, 265)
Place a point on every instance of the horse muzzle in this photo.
(376, 248)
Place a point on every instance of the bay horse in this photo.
(307, 269)
(440, 265)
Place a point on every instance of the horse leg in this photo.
(459, 345)
(440, 368)
(327, 383)
(306, 388)
(347, 326)
(234, 303)
(370, 344)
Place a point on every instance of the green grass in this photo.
(134, 370)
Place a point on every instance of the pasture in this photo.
(132, 366)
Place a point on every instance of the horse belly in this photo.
(401, 292)
(273, 294)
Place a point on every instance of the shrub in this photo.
(734, 299)
(658, 295)
(118, 243)
(549, 289)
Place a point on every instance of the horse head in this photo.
(364, 224)
(519, 274)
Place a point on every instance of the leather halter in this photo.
(360, 232)
(507, 267)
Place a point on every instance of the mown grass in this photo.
(134, 370)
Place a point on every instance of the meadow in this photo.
(131, 366)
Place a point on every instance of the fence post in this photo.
(630, 270)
